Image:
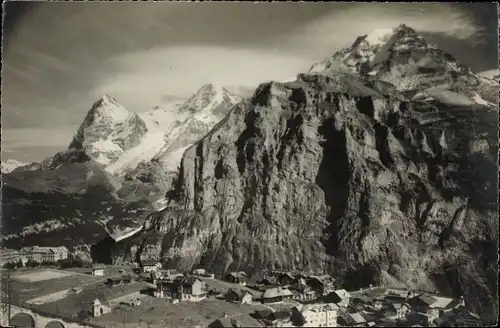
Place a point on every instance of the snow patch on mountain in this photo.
(478, 99)
(197, 116)
(379, 36)
(11, 164)
(108, 130)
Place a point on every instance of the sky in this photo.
(143, 53)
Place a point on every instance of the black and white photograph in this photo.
(219, 164)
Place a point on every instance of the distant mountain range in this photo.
(130, 157)
(378, 165)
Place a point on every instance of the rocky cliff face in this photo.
(382, 172)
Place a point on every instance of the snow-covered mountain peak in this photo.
(399, 56)
(108, 130)
(381, 36)
(208, 96)
(110, 110)
(11, 164)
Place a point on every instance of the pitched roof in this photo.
(97, 266)
(342, 293)
(241, 320)
(318, 307)
(441, 302)
(279, 315)
(427, 299)
(239, 293)
(355, 318)
(190, 281)
(276, 292)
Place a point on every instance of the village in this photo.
(148, 294)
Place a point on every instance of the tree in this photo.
(20, 263)
(31, 264)
(10, 265)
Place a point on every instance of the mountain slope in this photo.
(67, 200)
(338, 170)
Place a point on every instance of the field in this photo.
(75, 303)
(160, 313)
(24, 290)
(41, 275)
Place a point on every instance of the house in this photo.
(97, 269)
(239, 320)
(277, 319)
(154, 276)
(181, 288)
(120, 280)
(276, 294)
(9, 256)
(99, 309)
(44, 254)
(341, 297)
(323, 284)
(199, 272)
(60, 253)
(285, 279)
(315, 315)
(398, 310)
(238, 296)
(352, 320)
(237, 278)
(268, 281)
(150, 265)
(302, 291)
(399, 296)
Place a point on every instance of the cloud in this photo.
(32, 137)
(140, 78)
(340, 28)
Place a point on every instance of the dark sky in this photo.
(59, 57)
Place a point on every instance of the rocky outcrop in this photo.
(342, 172)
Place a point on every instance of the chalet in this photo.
(341, 297)
(183, 289)
(120, 280)
(238, 296)
(99, 309)
(302, 291)
(97, 269)
(199, 272)
(398, 310)
(268, 281)
(276, 294)
(323, 284)
(9, 256)
(285, 279)
(277, 318)
(315, 315)
(237, 278)
(150, 265)
(239, 320)
(60, 253)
